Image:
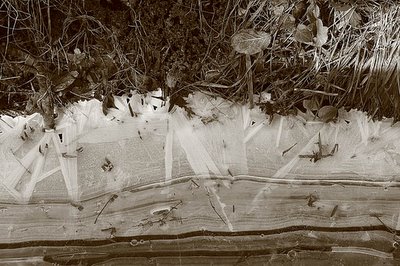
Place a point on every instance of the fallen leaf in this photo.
(315, 33)
(354, 19)
(241, 12)
(171, 80)
(299, 10)
(304, 34)
(345, 18)
(265, 97)
(108, 102)
(287, 21)
(322, 34)
(310, 105)
(313, 12)
(327, 113)
(250, 42)
(76, 57)
(278, 7)
(340, 6)
(278, 10)
(65, 81)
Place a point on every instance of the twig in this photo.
(131, 111)
(107, 165)
(175, 206)
(5, 122)
(334, 210)
(249, 81)
(213, 207)
(9, 78)
(164, 214)
(287, 150)
(230, 173)
(49, 21)
(68, 156)
(76, 205)
(215, 85)
(112, 230)
(318, 92)
(197, 185)
(392, 231)
(335, 149)
(113, 197)
(311, 198)
(387, 227)
(318, 155)
(79, 95)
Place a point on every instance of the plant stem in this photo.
(249, 81)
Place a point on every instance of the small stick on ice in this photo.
(105, 205)
(288, 149)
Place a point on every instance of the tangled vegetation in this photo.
(303, 54)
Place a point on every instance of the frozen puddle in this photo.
(91, 153)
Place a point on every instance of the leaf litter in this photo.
(338, 52)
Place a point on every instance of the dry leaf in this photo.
(299, 10)
(65, 81)
(108, 102)
(354, 19)
(310, 105)
(278, 10)
(315, 33)
(341, 6)
(241, 12)
(313, 12)
(304, 34)
(76, 57)
(287, 22)
(171, 80)
(328, 113)
(250, 42)
(345, 18)
(278, 6)
(322, 34)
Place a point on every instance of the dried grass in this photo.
(357, 68)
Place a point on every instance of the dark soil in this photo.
(149, 40)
